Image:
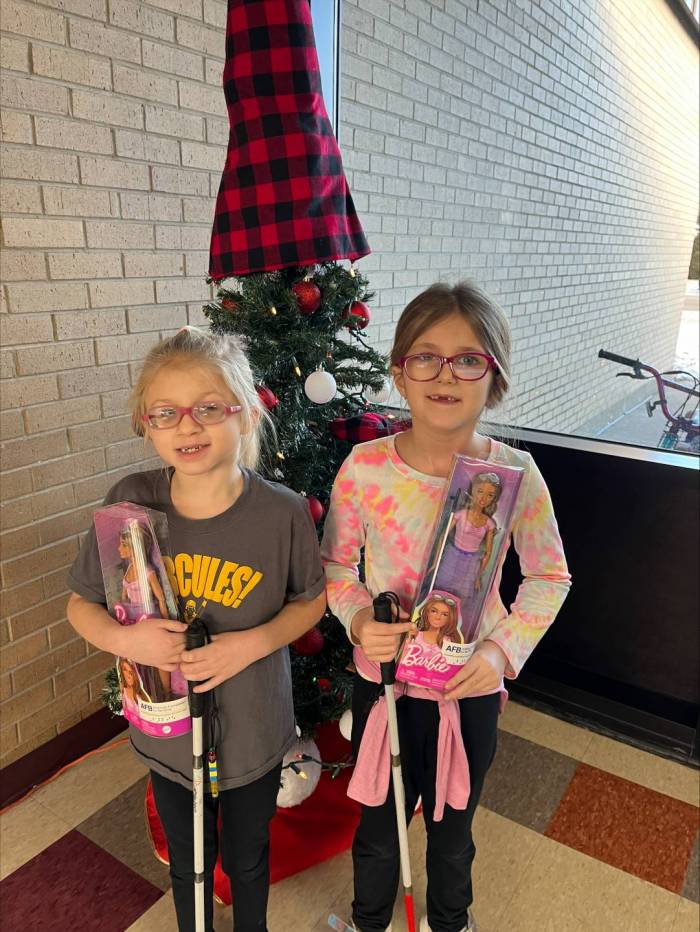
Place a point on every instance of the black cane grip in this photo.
(195, 636)
(383, 611)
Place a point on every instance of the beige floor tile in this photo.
(25, 831)
(504, 851)
(341, 903)
(223, 917)
(159, 918)
(687, 917)
(656, 773)
(91, 784)
(566, 891)
(543, 729)
(340, 906)
(304, 899)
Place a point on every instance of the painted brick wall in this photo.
(549, 153)
(113, 131)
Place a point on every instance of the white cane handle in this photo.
(399, 795)
(198, 822)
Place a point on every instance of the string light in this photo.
(352, 270)
(280, 455)
(273, 310)
(335, 767)
(295, 365)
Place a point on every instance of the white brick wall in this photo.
(547, 150)
(550, 153)
(113, 132)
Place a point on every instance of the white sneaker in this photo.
(471, 927)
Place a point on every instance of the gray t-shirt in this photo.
(269, 530)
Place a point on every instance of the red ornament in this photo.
(357, 315)
(228, 304)
(324, 684)
(267, 396)
(310, 643)
(308, 297)
(315, 507)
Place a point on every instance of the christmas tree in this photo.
(302, 332)
(284, 218)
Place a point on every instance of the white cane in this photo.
(441, 551)
(383, 611)
(196, 637)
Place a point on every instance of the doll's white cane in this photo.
(196, 637)
(383, 606)
(441, 551)
(140, 561)
(437, 564)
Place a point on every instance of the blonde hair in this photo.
(482, 314)
(223, 353)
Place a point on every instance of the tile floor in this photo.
(575, 833)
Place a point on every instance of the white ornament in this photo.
(320, 387)
(345, 724)
(295, 788)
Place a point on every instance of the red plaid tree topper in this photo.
(366, 426)
(283, 199)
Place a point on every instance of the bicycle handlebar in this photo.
(640, 367)
(622, 360)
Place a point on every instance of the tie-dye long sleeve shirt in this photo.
(383, 505)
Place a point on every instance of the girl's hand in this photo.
(482, 673)
(477, 584)
(156, 642)
(227, 655)
(379, 640)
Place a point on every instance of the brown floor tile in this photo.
(563, 890)
(650, 770)
(120, 828)
(526, 781)
(76, 886)
(626, 825)
(691, 887)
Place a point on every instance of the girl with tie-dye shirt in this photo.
(450, 360)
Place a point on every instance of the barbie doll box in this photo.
(131, 540)
(470, 539)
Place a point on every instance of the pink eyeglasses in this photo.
(467, 367)
(209, 412)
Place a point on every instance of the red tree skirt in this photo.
(320, 827)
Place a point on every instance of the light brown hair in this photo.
(450, 628)
(483, 315)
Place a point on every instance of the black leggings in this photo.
(245, 817)
(450, 849)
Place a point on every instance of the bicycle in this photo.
(682, 431)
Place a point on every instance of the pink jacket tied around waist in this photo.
(370, 781)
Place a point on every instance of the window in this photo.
(326, 20)
(694, 7)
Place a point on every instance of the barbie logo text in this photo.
(415, 656)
